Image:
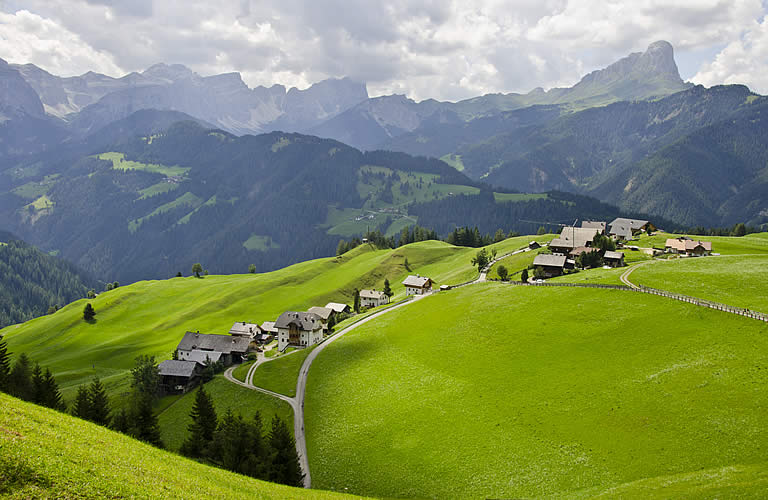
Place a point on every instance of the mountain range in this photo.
(142, 175)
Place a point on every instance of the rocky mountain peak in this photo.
(658, 59)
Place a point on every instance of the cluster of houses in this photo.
(299, 329)
(573, 241)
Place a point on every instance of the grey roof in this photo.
(243, 328)
(269, 326)
(372, 294)
(304, 320)
(623, 230)
(416, 281)
(593, 224)
(337, 307)
(613, 255)
(579, 235)
(176, 368)
(633, 224)
(549, 260)
(222, 343)
(323, 312)
(202, 357)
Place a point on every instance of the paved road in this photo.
(625, 275)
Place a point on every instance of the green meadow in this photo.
(502, 391)
(120, 163)
(281, 374)
(174, 414)
(725, 245)
(45, 454)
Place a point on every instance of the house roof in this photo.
(549, 260)
(372, 294)
(613, 255)
(243, 328)
(579, 250)
(265, 336)
(623, 230)
(580, 235)
(176, 368)
(561, 243)
(417, 281)
(304, 320)
(323, 312)
(202, 357)
(269, 326)
(221, 343)
(686, 244)
(633, 224)
(337, 307)
(593, 224)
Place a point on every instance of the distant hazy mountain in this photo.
(395, 122)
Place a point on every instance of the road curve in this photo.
(625, 275)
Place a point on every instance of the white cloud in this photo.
(28, 38)
(742, 61)
(446, 49)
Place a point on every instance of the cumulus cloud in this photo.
(742, 61)
(446, 49)
(28, 38)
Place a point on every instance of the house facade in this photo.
(298, 329)
(232, 349)
(178, 377)
(339, 308)
(373, 298)
(687, 246)
(623, 229)
(550, 265)
(243, 329)
(324, 314)
(613, 259)
(417, 285)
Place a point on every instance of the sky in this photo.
(442, 49)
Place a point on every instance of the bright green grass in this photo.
(401, 223)
(515, 197)
(159, 188)
(120, 163)
(242, 370)
(725, 245)
(226, 396)
(42, 203)
(599, 276)
(501, 391)
(281, 374)
(454, 161)
(514, 263)
(33, 190)
(186, 200)
(738, 281)
(261, 243)
(45, 454)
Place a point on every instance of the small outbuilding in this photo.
(339, 308)
(243, 329)
(550, 265)
(178, 377)
(613, 259)
(324, 313)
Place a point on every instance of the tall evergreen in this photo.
(387, 288)
(98, 403)
(20, 379)
(122, 422)
(81, 407)
(203, 426)
(256, 461)
(51, 396)
(5, 365)
(146, 427)
(38, 385)
(228, 440)
(356, 301)
(284, 463)
(146, 377)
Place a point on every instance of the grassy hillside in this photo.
(502, 391)
(44, 454)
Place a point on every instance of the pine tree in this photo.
(356, 301)
(122, 422)
(203, 426)
(81, 407)
(146, 427)
(5, 365)
(387, 288)
(88, 312)
(228, 440)
(98, 403)
(38, 385)
(284, 464)
(20, 378)
(256, 462)
(51, 394)
(524, 276)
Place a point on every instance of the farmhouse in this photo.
(232, 349)
(620, 226)
(550, 265)
(324, 313)
(573, 237)
(339, 308)
(417, 285)
(588, 224)
(688, 246)
(298, 329)
(269, 332)
(178, 377)
(613, 259)
(373, 298)
(243, 329)
(204, 357)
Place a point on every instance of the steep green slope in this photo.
(31, 281)
(501, 391)
(45, 454)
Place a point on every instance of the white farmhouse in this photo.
(373, 298)
(417, 285)
(298, 329)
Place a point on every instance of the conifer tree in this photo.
(256, 462)
(228, 441)
(387, 288)
(356, 301)
(5, 365)
(203, 426)
(88, 312)
(20, 378)
(98, 403)
(145, 421)
(38, 385)
(51, 396)
(284, 463)
(524, 276)
(81, 407)
(121, 422)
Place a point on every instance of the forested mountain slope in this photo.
(31, 281)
